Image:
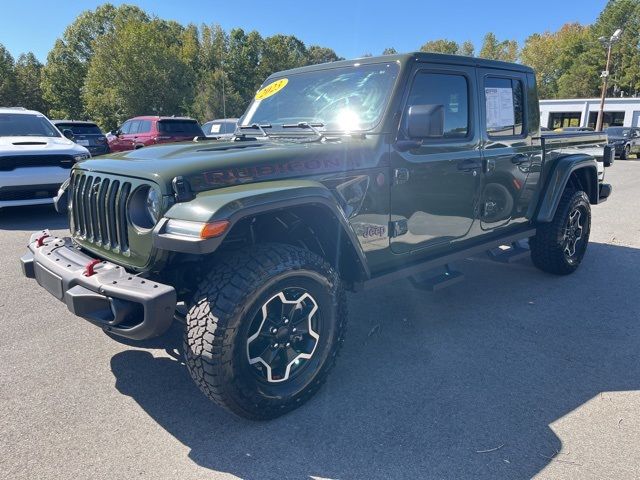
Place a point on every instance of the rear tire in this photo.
(559, 246)
(625, 153)
(242, 347)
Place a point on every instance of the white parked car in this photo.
(35, 158)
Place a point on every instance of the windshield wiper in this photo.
(310, 126)
(257, 126)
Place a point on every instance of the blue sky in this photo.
(351, 28)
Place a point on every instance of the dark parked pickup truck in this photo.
(340, 177)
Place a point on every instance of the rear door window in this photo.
(186, 128)
(215, 127)
(504, 106)
(145, 126)
(230, 127)
(135, 124)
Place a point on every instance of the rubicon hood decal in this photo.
(269, 171)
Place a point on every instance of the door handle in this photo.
(519, 159)
(469, 164)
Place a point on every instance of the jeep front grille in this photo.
(98, 210)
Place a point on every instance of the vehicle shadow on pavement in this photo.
(32, 218)
(463, 383)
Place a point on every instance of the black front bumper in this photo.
(112, 298)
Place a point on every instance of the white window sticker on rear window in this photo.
(500, 112)
(215, 128)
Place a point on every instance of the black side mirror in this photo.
(68, 133)
(425, 121)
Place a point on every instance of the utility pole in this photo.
(605, 74)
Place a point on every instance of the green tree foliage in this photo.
(68, 62)
(492, 48)
(467, 49)
(281, 52)
(29, 76)
(625, 67)
(62, 80)
(449, 47)
(317, 54)
(568, 62)
(440, 46)
(8, 82)
(559, 59)
(115, 62)
(137, 69)
(216, 98)
(389, 51)
(243, 59)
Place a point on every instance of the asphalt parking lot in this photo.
(511, 374)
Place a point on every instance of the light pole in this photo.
(608, 43)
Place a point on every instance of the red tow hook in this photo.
(89, 268)
(40, 240)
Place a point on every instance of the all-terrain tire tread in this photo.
(221, 298)
(546, 250)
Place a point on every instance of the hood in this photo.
(210, 165)
(29, 145)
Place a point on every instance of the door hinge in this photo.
(400, 176)
(398, 228)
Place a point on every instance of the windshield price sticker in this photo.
(271, 89)
(499, 103)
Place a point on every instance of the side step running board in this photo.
(417, 269)
(434, 283)
(516, 251)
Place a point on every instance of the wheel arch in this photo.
(578, 171)
(302, 213)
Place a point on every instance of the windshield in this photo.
(21, 125)
(346, 98)
(618, 132)
(80, 128)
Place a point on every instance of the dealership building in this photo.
(583, 112)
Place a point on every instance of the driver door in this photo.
(437, 179)
(117, 144)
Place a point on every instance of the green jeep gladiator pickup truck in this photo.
(339, 177)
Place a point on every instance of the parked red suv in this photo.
(140, 132)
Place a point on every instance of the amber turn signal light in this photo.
(214, 229)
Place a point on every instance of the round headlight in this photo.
(153, 205)
(144, 207)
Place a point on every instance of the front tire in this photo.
(559, 246)
(264, 329)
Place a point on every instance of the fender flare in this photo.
(558, 178)
(239, 202)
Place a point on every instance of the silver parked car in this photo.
(222, 128)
